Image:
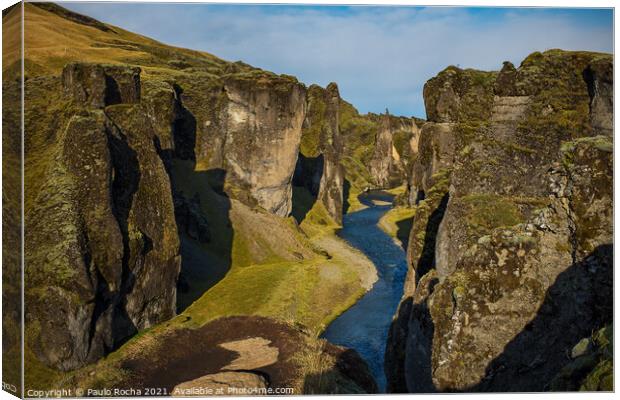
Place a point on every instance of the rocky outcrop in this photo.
(331, 188)
(247, 134)
(407, 146)
(102, 250)
(381, 160)
(101, 85)
(385, 165)
(436, 148)
(318, 168)
(504, 275)
(600, 80)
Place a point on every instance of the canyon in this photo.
(181, 209)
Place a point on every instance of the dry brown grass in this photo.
(52, 41)
(315, 369)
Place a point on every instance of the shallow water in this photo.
(364, 327)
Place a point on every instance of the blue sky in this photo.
(379, 56)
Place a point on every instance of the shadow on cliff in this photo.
(427, 259)
(306, 185)
(416, 315)
(579, 302)
(403, 229)
(124, 186)
(346, 190)
(202, 212)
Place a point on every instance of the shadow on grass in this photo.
(202, 212)
(306, 185)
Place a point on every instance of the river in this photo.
(364, 327)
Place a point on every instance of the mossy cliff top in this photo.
(457, 94)
(317, 133)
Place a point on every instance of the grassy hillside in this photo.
(55, 36)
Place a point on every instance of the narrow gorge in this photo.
(194, 222)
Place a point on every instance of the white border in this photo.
(488, 3)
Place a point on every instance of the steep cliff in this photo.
(109, 157)
(318, 170)
(101, 238)
(510, 251)
(247, 133)
(386, 167)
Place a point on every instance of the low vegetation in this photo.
(397, 223)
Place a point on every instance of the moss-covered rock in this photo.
(522, 253)
(102, 243)
(101, 85)
(319, 168)
(457, 94)
(591, 368)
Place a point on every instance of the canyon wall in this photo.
(102, 251)
(510, 254)
(247, 133)
(105, 204)
(318, 167)
(396, 142)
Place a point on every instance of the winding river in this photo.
(364, 327)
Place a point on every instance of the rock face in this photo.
(599, 78)
(103, 223)
(318, 168)
(436, 148)
(247, 132)
(385, 166)
(510, 252)
(102, 251)
(102, 85)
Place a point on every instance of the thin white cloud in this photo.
(380, 57)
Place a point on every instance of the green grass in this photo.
(397, 222)
(491, 211)
(298, 293)
(318, 222)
